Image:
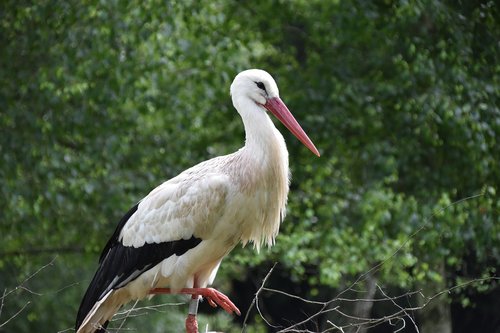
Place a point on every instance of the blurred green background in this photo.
(100, 101)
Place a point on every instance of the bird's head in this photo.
(256, 84)
(259, 86)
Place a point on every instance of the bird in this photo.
(174, 239)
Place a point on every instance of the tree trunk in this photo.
(359, 309)
(364, 309)
(436, 316)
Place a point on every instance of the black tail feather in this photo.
(120, 265)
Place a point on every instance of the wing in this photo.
(177, 209)
(170, 220)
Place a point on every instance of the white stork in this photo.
(174, 239)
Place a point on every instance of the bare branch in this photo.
(21, 287)
(14, 315)
(396, 318)
(398, 306)
(255, 299)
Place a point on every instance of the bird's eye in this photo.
(261, 85)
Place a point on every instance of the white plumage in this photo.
(203, 213)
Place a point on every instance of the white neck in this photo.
(262, 139)
(264, 174)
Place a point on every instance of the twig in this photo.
(126, 316)
(392, 319)
(15, 315)
(21, 287)
(254, 301)
(399, 307)
(145, 308)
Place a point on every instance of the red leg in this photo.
(213, 296)
(191, 324)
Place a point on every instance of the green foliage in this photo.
(101, 101)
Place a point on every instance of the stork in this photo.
(175, 238)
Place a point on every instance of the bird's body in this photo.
(177, 236)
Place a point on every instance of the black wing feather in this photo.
(114, 238)
(119, 264)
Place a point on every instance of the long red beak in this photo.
(276, 106)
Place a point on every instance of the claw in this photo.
(211, 302)
(216, 297)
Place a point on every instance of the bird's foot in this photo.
(214, 297)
